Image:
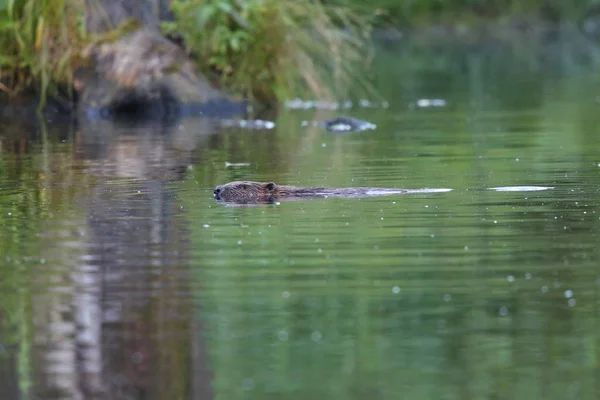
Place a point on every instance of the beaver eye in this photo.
(270, 186)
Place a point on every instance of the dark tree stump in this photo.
(139, 69)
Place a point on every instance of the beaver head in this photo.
(247, 192)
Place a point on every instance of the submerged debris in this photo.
(426, 103)
(342, 124)
(247, 124)
(299, 104)
(345, 124)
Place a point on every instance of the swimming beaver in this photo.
(247, 192)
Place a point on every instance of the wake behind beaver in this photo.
(248, 192)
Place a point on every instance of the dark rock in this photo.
(348, 124)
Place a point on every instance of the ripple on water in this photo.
(521, 188)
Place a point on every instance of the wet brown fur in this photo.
(247, 192)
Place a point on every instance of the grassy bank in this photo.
(39, 42)
(264, 49)
(267, 48)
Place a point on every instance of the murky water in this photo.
(122, 278)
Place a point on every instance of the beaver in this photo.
(247, 192)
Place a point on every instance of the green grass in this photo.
(270, 49)
(265, 49)
(39, 41)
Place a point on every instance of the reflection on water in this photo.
(121, 277)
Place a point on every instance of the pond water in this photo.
(121, 277)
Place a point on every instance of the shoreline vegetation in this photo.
(266, 51)
(411, 14)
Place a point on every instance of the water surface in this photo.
(121, 277)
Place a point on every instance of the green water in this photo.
(122, 278)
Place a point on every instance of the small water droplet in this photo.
(137, 357)
(503, 311)
(285, 294)
(316, 336)
(206, 226)
(510, 278)
(396, 289)
(572, 302)
(466, 248)
(528, 276)
(323, 145)
(239, 242)
(568, 293)
(544, 289)
(248, 384)
(447, 297)
(282, 335)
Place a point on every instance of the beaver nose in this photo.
(217, 191)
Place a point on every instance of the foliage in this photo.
(273, 48)
(413, 12)
(38, 42)
(264, 49)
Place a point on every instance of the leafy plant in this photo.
(38, 42)
(273, 49)
(265, 49)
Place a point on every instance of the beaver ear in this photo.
(270, 186)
